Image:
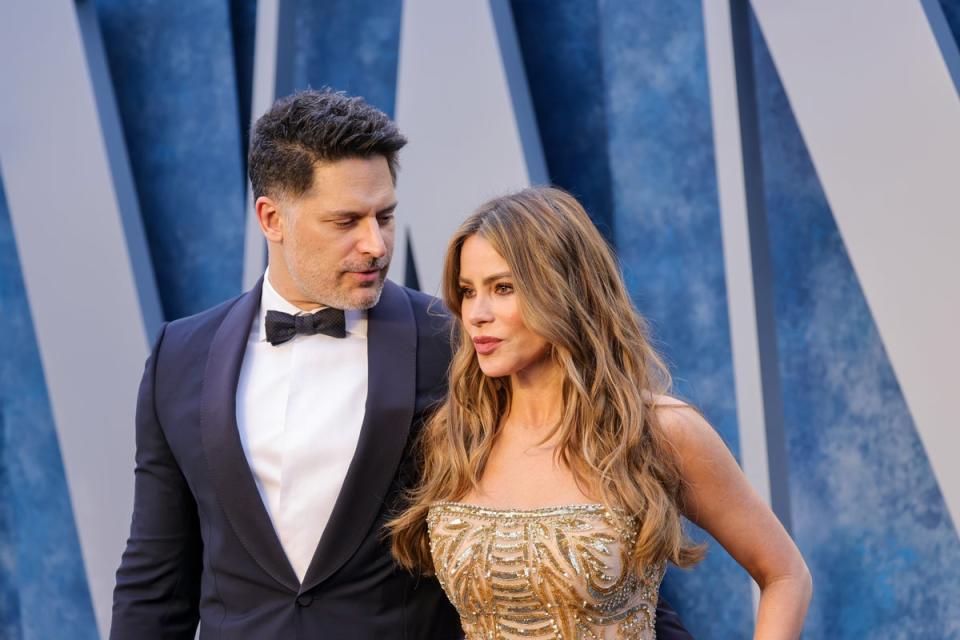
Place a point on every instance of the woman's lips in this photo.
(485, 345)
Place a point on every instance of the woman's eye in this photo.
(504, 288)
(466, 292)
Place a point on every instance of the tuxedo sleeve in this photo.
(669, 626)
(158, 582)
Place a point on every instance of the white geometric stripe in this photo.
(456, 73)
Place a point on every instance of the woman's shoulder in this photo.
(685, 428)
(661, 401)
(680, 421)
(675, 414)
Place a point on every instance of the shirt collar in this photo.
(270, 300)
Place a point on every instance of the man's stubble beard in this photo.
(345, 298)
(377, 292)
(383, 264)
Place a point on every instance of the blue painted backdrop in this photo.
(43, 585)
(867, 512)
(620, 92)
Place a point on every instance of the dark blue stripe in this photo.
(560, 46)
(175, 82)
(350, 45)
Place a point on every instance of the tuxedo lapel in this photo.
(392, 369)
(232, 478)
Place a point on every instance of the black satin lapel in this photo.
(232, 478)
(391, 370)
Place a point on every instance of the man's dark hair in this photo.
(311, 126)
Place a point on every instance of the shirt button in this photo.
(304, 600)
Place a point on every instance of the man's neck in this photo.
(279, 278)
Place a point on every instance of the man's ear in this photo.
(270, 219)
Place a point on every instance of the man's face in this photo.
(338, 236)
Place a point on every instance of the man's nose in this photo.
(372, 241)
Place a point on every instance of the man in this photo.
(272, 430)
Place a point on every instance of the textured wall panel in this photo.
(667, 229)
(349, 45)
(472, 136)
(951, 10)
(560, 43)
(44, 584)
(9, 589)
(621, 97)
(82, 253)
(243, 27)
(174, 76)
(868, 514)
(746, 254)
(890, 179)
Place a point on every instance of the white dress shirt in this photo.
(300, 406)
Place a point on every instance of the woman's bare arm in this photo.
(718, 498)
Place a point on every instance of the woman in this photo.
(555, 473)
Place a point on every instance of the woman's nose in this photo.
(479, 312)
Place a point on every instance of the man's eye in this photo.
(345, 224)
(386, 218)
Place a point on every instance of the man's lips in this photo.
(485, 345)
(370, 275)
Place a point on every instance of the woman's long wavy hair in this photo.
(570, 291)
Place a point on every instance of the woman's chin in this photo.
(491, 370)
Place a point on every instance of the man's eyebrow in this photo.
(489, 279)
(347, 213)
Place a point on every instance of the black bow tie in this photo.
(282, 326)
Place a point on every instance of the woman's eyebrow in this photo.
(496, 276)
(488, 279)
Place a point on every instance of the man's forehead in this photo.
(352, 185)
(374, 165)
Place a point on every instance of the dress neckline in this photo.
(561, 509)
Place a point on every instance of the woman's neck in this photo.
(536, 399)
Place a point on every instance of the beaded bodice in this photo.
(557, 572)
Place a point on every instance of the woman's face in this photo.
(491, 314)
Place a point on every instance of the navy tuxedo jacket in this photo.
(202, 546)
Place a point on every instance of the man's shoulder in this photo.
(212, 315)
(431, 316)
(202, 325)
(419, 298)
(433, 324)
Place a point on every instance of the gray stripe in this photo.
(272, 77)
(746, 253)
(519, 91)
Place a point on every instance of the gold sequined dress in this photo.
(557, 572)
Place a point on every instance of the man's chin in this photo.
(366, 297)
